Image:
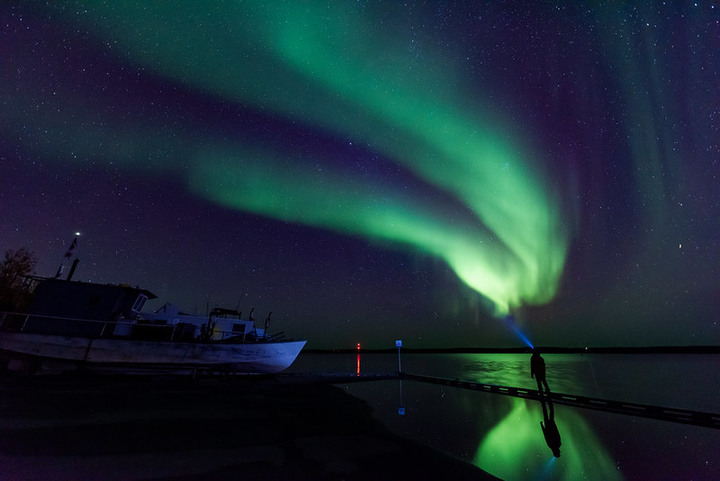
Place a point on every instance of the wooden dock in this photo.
(684, 416)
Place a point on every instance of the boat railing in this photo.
(68, 326)
(276, 337)
(121, 329)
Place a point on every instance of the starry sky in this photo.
(446, 173)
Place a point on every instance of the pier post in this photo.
(398, 344)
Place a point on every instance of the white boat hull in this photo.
(128, 355)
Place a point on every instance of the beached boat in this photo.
(70, 325)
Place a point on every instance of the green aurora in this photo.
(324, 70)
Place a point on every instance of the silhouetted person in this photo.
(550, 430)
(537, 370)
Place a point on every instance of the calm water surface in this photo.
(503, 435)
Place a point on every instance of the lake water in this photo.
(503, 435)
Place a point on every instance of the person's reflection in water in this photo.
(537, 370)
(549, 428)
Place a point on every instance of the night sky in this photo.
(372, 171)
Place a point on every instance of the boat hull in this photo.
(143, 355)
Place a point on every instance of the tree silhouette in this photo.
(14, 269)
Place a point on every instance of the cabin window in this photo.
(238, 328)
(139, 303)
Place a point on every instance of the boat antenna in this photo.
(67, 256)
(267, 322)
(251, 318)
(72, 269)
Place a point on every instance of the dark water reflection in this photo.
(504, 435)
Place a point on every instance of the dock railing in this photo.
(684, 416)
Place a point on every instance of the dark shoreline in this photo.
(177, 429)
(544, 349)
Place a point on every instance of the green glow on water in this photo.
(338, 67)
(515, 448)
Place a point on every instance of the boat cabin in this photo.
(84, 309)
(221, 324)
(85, 300)
(72, 308)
